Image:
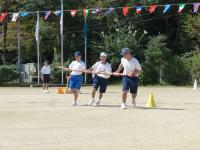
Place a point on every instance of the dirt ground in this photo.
(31, 120)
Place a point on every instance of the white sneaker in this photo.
(91, 102)
(123, 106)
(46, 91)
(133, 103)
(74, 103)
(97, 103)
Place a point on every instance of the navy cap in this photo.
(124, 51)
(77, 53)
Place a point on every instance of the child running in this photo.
(77, 67)
(132, 69)
(102, 71)
(46, 70)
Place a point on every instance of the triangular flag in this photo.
(85, 12)
(47, 14)
(15, 16)
(24, 14)
(110, 10)
(37, 30)
(73, 13)
(96, 11)
(196, 7)
(125, 11)
(166, 8)
(138, 9)
(152, 9)
(3, 16)
(181, 7)
(57, 13)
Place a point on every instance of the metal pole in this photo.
(19, 50)
(85, 38)
(61, 32)
(38, 50)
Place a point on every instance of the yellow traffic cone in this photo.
(151, 102)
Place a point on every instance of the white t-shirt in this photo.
(130, 65)
(77, 65)
(46, 70)
(100, 67)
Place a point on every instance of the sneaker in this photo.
(44, 91)
(74, 103)
(91, 102)
(133, 104)
(97, 103)
(123, 106)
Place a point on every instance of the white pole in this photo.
(61, 32)
(38, 49)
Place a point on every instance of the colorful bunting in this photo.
(166, 8)
(15, 16)
(3, 16)
(24, 14)
(96, 11)
(152, 9)
(57, 13)
(138, 9)
(125, 11)
(196, 7)
(47, 14)
(73, 13)
(85, 12)
(110, 10)
(181, 7)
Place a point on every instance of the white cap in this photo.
(103, 54)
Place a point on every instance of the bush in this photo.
(8, 73)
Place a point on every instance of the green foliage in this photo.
(157, 55)
(8, 73)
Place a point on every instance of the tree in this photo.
(157, 54)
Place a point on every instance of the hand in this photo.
(117, 74)
(132, 74)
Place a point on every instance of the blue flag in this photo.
(24, 14)
(166, 8)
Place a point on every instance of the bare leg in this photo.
(133, 99)
(93, 93)
(43, 86)
(75, 95)
(47, 86)
(124, 96)
(100, 96)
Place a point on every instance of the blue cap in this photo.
(77, 53)
(124, 51)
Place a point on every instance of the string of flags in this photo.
(125, 10)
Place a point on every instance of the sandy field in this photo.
(31, 120)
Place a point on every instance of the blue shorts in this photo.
(130, 84)
(75, 82)
(101, 83)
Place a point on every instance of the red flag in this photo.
(85, 12)
(3, 16)
(125, 11)
(73, 13)
(152, 9)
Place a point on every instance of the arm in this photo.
(119, 68)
